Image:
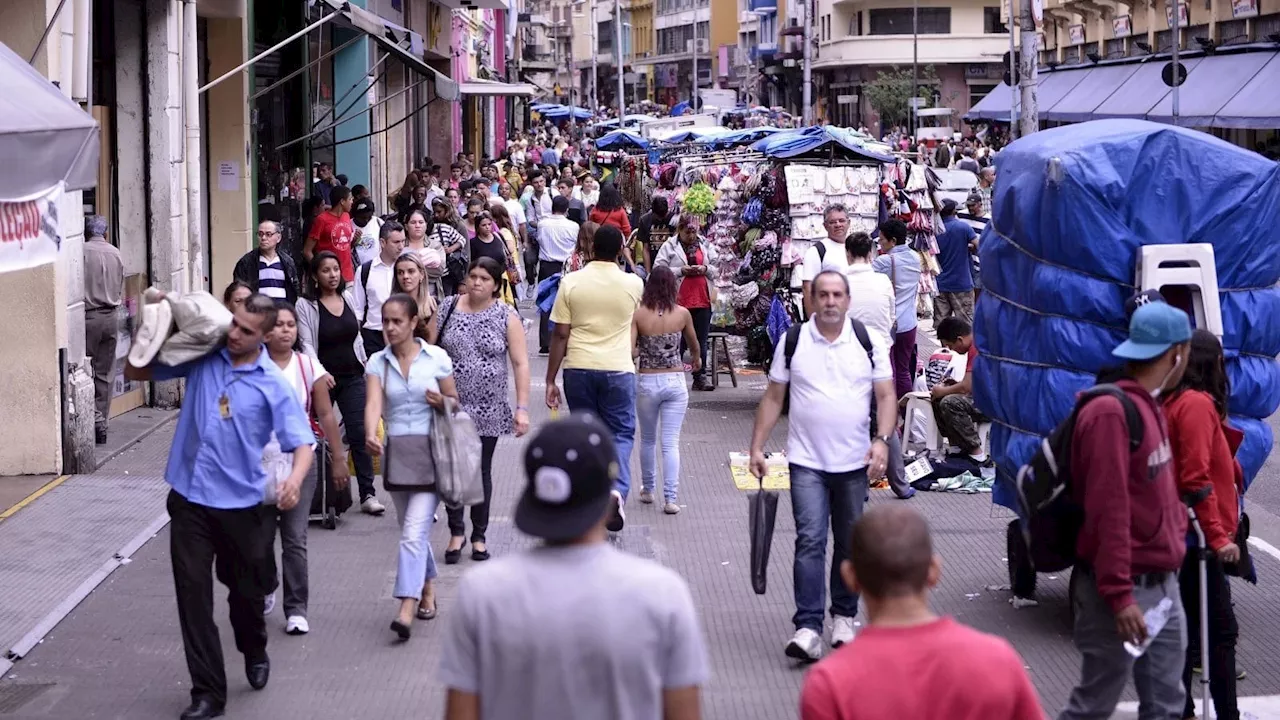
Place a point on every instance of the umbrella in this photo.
(45, 138)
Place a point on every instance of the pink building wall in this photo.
(462, 62)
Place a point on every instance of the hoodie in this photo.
(1204, 449)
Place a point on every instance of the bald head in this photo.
(891, 552)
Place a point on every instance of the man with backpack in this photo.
(374, 281)
(830, 367)
(1131, 538)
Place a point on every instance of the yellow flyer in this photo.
(778, 477)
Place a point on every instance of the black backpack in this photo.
(793, 340)
(1049, 516)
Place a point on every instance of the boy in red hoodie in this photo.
(1133, 539)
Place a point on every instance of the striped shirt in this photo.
(271, 278)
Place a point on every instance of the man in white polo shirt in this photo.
(826, 254)
(373, 285)
(836, 367)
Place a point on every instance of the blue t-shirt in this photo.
(953, 257)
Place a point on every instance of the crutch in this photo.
(1193, 499)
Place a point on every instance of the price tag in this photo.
(919, 469)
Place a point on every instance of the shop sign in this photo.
(1076, 33)
(1244, 8)
(1122, 26)
(1183, 14)
(846, 99)
(29, 232)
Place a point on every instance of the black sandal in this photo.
(451, 557)
(479, 555)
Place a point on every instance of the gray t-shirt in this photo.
(573, 633)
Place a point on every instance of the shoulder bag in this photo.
(407, 459)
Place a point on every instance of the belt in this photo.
(1151, 579)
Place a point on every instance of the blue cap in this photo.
(1153, 329)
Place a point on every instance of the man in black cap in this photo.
(529, 624)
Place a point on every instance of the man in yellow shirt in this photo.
(592, 315)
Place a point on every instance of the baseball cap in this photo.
(1154, 328)
(571, 466)
(975, 198)
(363, 205)
(948, 207)
(1145, 297)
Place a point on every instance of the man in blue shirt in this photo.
(235, 398)
(955, 283)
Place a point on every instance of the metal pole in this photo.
(1029, 113)
(806, 96)
(595, 72)
(913, 105)
(240, 68)
(304, 68)
(693, 96)
(1177, 45)
(617, 54)
(1013, 70)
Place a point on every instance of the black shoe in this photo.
(401, 629)
(257, 673)
(201, 709)
(703, 384)
(479, 555)
(617, 518)
(100, 436)
(451, 557)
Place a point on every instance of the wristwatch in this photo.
(882, 438)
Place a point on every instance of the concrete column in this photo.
(131, 141)
(231, 231)
(351, 67)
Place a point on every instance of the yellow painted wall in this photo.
(724, 31)
(230, 211)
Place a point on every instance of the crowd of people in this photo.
(385, 320)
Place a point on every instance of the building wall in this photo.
(229, 133)
(724, 31)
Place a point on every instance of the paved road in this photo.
(118, 654)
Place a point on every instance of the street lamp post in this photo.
(595, 71)
(806, 93)
(617, 56)
(915, 68)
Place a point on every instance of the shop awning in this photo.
(994, 106)
(1078, 104)
(406, 45)
(1215, 81)
(45, 138)
(1142, 91)
(815, 138)
(1054, 86)
(1257, 105)
(498, 89)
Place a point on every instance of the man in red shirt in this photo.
(940, 668)
(1133, 539)
(332, 230)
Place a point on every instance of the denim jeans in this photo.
(611, 397)
(818, 500)
(416, 563)
(1105, 666)
(702, 329)
(665, 397)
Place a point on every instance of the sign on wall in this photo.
(29, 232)
(1122, 26)
(1076, 33)
(1244, 8)
(1184, 18)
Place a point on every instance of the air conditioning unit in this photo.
(703, 46)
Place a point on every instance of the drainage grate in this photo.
(14, 696)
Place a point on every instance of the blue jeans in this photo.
(416, 563)
(661, 396)
(611, 397)
(817, 497)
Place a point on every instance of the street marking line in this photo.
(36, 496)
(1265, 547)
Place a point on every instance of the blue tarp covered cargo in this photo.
(1072, 207)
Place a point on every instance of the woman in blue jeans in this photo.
(407, 382)
(660, 390)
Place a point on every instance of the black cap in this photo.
(571, 466)
(1146, 297)
(948, 207)
(363, 205)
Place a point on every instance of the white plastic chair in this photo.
(921, 402)
(1189, 265)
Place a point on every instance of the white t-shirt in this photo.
(831, 391)
(274, 461)
(367, 248)
(515, 209)
(557, 238)
(871, 299)
(835, 259)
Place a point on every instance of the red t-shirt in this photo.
(693, 291)
(335, 234)
(941, 669)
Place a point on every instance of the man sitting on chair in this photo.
(953, 406)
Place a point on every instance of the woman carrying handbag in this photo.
(311, 383)
(405, 382)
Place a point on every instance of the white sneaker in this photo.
(269, 605)
(371, 506)
(296, 625)
(842, 631)
(617, 517)
(805, 645)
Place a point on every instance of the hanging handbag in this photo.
(762, 507)
(407, 459)
(455, 448)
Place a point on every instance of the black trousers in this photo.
(374, 341)
(234, 544)
(479, 513)
(1223, 631)
(546, 268)
(348, 394)
(701, 328)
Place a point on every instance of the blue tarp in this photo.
(562, 113)
(738, 137)
(1059, 259)
(680, 108)
(540, 107)
(818, 137)
(619, 139)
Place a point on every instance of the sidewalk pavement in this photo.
(119, 653)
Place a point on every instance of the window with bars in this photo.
(898, 21)
(1115, 47)
(991, 24)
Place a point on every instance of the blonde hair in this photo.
(426, 304)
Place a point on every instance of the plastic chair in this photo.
(922, 402)
(720, 340)
(1189, 265)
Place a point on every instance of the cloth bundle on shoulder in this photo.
(176, 329)
(1072, 209)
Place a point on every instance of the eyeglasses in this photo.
(268, 233)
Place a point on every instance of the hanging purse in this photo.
(407, 459)
(455, 448)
